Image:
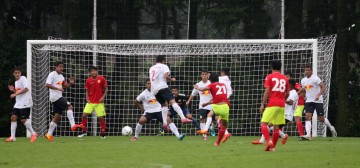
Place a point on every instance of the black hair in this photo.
(174, 87)
(57, 63)
(204, 71)
(214, 77)
(16, 69)
(147, 80)
(92, 68)
(276, 65)
(160, 58)
(226, 71)
(308, 66)
(289, 74)
(292, 82)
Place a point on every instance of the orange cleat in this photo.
(49, 137)
(269, 146)
(33, 137)
(226, 137)
(216, 144)
(202, 132)
(76, 126)
(10, 139)
(256, 142)
(283, 141)
(133, 139)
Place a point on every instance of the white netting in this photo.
(125, 66)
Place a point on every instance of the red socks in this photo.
(84, 123)
(102, 125)
(275, 137)
(221, 135)
(265, 132)
(300, 128)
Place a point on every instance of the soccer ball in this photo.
(126, 131)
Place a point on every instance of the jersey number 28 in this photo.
(280, 85)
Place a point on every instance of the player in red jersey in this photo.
(277, 89)
(220, 104)
(96, 90)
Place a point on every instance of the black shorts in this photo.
(311, 106)
(286, 122)
(60, 105)
(164, 95)
(21, 113)
(203, 113)
(156, 115)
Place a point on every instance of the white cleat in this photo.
(82, 135)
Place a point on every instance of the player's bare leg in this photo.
(179, 111)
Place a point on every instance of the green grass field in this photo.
(168, 152)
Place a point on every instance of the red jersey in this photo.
(278, 85)
(218, 92)
(95, 88)
(301, 100)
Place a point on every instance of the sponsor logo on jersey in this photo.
(308, 87)
(152, 101)
(99, 81)
(206, 92)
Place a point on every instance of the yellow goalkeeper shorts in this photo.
(221, 110)
(99, 109)
(299, 111)
(274, 115)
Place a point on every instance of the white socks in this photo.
(29, 127)
(70, 115)
(138, 130)
(308, 128)
(174, 129)
(226, 132)
(282, 135)
(208, 122)
(52, 128)
(262, 139)
(327, 123)
(178, 110)
(164, 113)
(13, 128)
(202, 126)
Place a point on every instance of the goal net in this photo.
(125, 65)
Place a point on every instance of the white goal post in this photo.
(125, 64)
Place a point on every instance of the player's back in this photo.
(156, 75)
(219, 93)
(278, 85)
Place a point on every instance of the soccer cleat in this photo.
(82, 135)
(33, 137)
(161, 133)
(49, 137)
(166, 127)
(212, 131)
(269, 145)
(202, 132)
(305, 138)
(103, 137)
(76, 126)
(204, 138)
(283, 141)
(272, 150)
(333, 131)
(216, 144)
(10, 139)
(226, 137)
(186, 120)
(133, 139)
(257, 142)
(181, 137)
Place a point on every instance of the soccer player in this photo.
(96, 90)
(220, 105)
(56, 84)
(277, 89)
(314, 88)
(22, 106)
(151, 109)
(205, 96)
(159, 74)
(224, 78)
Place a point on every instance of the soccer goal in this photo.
(125, 64)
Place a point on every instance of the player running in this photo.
(22, 107)
(277, 89)
(314, 88)
(56, 84)
(96, 91)
(220, 105)
(205, 96)
(151, 110)
(159, 74)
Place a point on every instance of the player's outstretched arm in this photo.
(201, 89)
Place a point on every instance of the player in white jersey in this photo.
(205, 96)
(56, 84)
(314, 89)
(22, 107)
(224, 78)
(159, 75)
(151, 109)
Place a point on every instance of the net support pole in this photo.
(93, 114)
(282, 34)
(314, 67)
(28, 76)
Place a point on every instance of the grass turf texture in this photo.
(152, 151)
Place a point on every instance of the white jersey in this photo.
(23, 100)
(290, 109)
(225, 80)
(312, 87)
(205, 96)
(56, 80)
(157, 78)
(149, 102)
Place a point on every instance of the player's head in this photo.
(16, 73)
(59, 67)
(276, 65)
(93, 71)
(161, 59)
(308, 70)
(148, 84)
(225, 71)
(292, 83)
(204, 74)
(214, 77)
(175, 91)
(288, 74)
